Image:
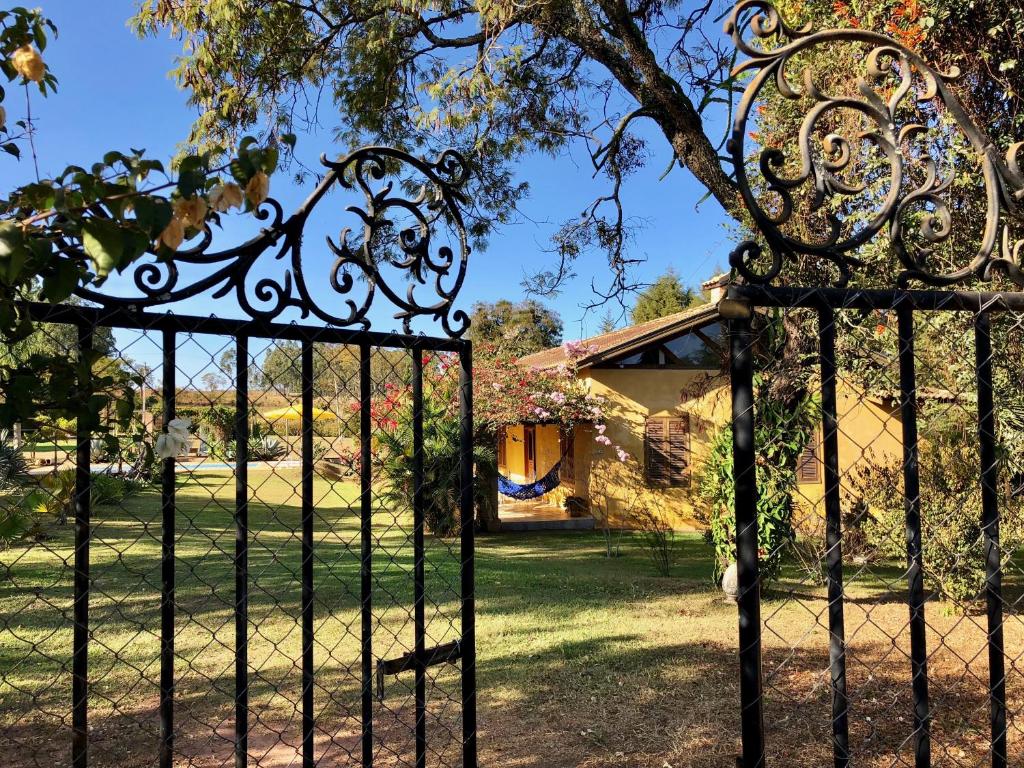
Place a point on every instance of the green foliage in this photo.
(953, 550)
(514, 329)
(107, 488)
(442, 461)
(781, 432)
(665, 296)
(500, 80)
(262, 446)
(13, 464)
(59, 234)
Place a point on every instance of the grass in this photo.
(583, 660)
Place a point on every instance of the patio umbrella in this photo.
(294, 413)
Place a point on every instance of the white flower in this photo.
(175, 441)
(180, 427)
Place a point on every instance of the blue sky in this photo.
(115, 93)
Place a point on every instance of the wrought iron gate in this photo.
(831, 672)
(273, 599)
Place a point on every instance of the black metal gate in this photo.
(912, 397)
(297, 586)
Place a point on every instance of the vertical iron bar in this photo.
(741, 363)
(990, 527)
(467, 553)
(419, 596)
(915, 560)
(366, 548)
(307, 555)
(241, 552)
(167, 565)
(833, 538)
(83, 534)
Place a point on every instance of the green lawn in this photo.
(583, 660)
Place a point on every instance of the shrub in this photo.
(267, 449)
(442, 463)
(13, 465)
(952, 547)
(656, 536)
(781, 433)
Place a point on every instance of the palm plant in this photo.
(442, 463)
(13, 464)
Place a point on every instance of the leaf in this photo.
(152, 214)
(59, 284)
(104, 244)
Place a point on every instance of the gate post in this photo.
(741, 366)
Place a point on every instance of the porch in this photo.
(539, 515)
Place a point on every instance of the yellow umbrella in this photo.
(294, 413)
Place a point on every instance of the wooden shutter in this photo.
(502, 458)
(808, 468)
(667, 451)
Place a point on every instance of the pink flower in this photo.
(602, 440)
(601, 428)
(622, 455)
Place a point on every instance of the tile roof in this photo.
(610, 344)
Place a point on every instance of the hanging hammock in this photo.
(534, 490)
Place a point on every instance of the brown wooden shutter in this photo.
(679, 451)
(808, 468)
(667, 451)
(502, 437)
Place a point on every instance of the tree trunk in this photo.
(487, 501)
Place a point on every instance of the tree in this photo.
(515, 329)
(60, 235)
(665, 296)
(228, 361)
(281, 368)
(212, 382)
(498, 80)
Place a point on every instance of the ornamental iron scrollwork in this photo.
(425, 196)
(905, 194)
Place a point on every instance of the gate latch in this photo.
(441, 654)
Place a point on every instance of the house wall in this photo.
(868, 431)
(616, 488)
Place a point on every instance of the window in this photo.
(667, 452)
(701, 349)
(567, 446)
(502, 449)
(808, 468)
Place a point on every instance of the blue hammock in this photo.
(533, 490)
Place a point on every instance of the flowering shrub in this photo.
(506, 394)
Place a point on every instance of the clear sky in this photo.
(115, 93)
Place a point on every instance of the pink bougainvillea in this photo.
(507, 394)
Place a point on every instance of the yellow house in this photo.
(667, 393)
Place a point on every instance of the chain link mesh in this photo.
(872, 610)
(125, 582)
